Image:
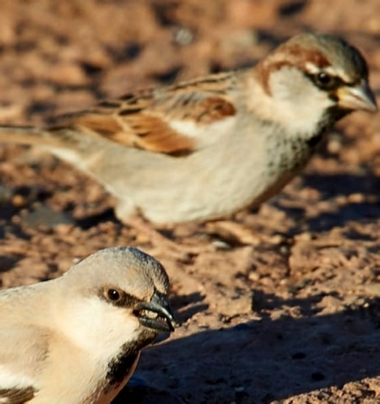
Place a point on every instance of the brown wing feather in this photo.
(142, 120)
(143, 131)
(17, 396)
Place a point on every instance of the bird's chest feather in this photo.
(289, 155)
(286, 157)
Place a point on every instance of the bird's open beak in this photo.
(358, 97)
(156, 314)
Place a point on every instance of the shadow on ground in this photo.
(282, 357)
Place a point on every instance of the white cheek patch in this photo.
(99, 327)
(297, 104)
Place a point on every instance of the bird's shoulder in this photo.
(22, 352)
(173, 120)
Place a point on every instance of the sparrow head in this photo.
(143, 288)
(313, 80)
(122, 290)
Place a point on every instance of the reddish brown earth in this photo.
(292, 319)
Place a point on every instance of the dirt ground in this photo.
(292, 319)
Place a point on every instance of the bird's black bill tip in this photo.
(156, 314)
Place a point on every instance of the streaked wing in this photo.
(168, 120)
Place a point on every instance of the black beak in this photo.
(156, 314)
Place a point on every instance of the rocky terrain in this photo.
(291, 317)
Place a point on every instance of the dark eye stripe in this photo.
(124, 300)
(130, 300)
(334, 83)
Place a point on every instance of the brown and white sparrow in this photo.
(208, 147)
(77, 339)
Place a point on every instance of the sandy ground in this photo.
(292, 319)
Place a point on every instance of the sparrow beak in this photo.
(358, 97)
(156, 314)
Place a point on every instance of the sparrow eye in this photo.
(118, 297)
(113, 295)
(325, 81)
